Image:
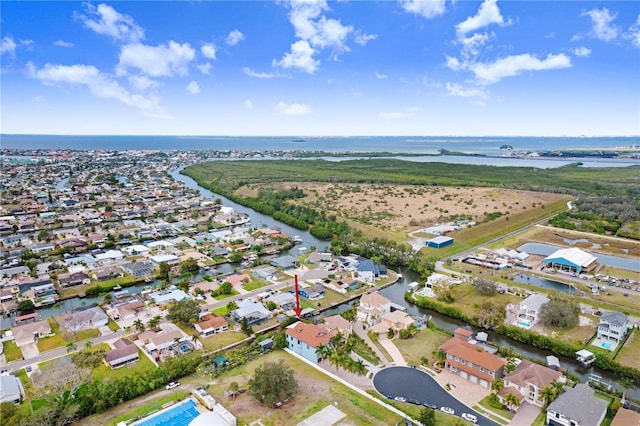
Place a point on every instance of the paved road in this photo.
(414, 384)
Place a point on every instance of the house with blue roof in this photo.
(369, 271)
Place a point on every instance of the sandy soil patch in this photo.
(411, 207)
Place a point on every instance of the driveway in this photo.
(29, 351)
(416, 385)
(526, 414)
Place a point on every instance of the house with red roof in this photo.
(472, 362)
(304, 339)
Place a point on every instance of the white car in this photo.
(400, 399)
(448, 410)
(172, 385)
(469, 417)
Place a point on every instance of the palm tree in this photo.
(512, 401)
(440, 356)
(233, 388)
(548, 394)
(359, 368)
(71, 347)
(510, 366)
(626, 384)
(154, 322)
(88, 344)
(497, 385)
(195, 338)
(336, 359)
(324, 351)
(139, 325)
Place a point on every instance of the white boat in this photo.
(297, 239)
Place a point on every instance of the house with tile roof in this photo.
(372, 307)
(472, 362)
(304, 339)
(210, 324)
(528, 379)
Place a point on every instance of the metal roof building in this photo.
(570, 259)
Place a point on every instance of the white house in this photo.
(529, 310)
(11, 389)
(210, 324)
(372, 307)
(577, 406)
(613, 326)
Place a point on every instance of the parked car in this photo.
(172, 385)
(470, 417)
(400, 399)
(430, 405)
(413, 401)
(448, 410)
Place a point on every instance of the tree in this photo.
(245, 327)
(512, 401)
(510, 365)
(497, 385)
(232, 306)
(485, 287)
(271, 305)
(626, 384)
(71, 346)
(195, 339)
(185, 311)
(26, 306)
(164, 270)
(273, 383)
(560, 312)
(548, 394)
(440, 356)
(427, 417)
(154, 322)
(184, 285)
(233, 389)
(491, 315)
(225, 288)
(359, 368)
(190, 266)
(88, 344)
(324, 351)
(139, 325)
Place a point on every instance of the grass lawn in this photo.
(11, 351)
(87, 334)
(484, 402)
(423, 344)
(37, 404)
(221, 340)
(222, 311)
(104, 371)
(149, 407)
(224, 296)
(26, 382)
(316, 391)
(253, 284)
(113, 326)
(362, 349)
(578, 335)
(628, 355)
(467, 298)
(52, 342)
(383, 351)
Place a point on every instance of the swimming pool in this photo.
(524, 324)
(178, 415)
(606, 345)
(185, 348)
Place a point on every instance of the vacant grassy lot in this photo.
(628, 355)
(11, 351)
(467, 298)
(422, 345)
(221, 340)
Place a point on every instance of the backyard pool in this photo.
(179, 415)
(606, 345)
(524, 324)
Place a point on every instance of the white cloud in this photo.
(394, 115)
(489, 73)
(204, 68)
(471, 45)
(62, 43)
(193, 87)
(108, 21)
(453, 63)
(142, 82)
(381, 76)
(602, 24)
(300, 57)
(156, 61)
(234, 37)
(255, 74)
(100, 85)
(581, 51)
(487, 14)
(293, 109)
(209, 50)
(7, 45)
(362, 38)
(425, 8)
(634, 33)
(247, 104)
(455, 89)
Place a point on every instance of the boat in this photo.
(116, 288)
(297, 239)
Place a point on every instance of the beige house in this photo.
(210, 324)
(372, 307)
(528, 379)
(30, 333)
(338, 323)
(396, 321)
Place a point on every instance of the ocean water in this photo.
(395, 144)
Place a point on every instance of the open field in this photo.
(221, 340)
(410, 207)
(628, 355)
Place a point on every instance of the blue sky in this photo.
(406, 67)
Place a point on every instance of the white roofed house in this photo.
(254, 312)
(613, 326)
(86, 319)
(529, 310)
(284, 301)
(570, 260)
(372, 307)
(11, 389)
